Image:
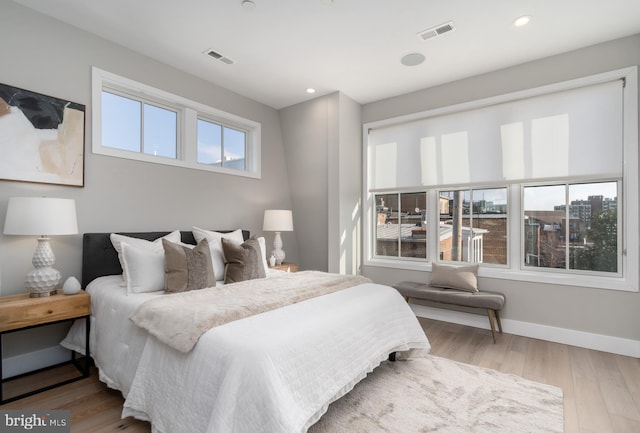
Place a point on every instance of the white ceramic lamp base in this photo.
(278, 252)
(44, 279)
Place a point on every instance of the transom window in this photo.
(221, 145)
(138, 126)
(135, 121)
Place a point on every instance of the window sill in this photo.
(576, 280)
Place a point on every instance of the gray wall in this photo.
(50, 57)
(305, 130)
(322, 141)
(603, 312)
(345, 250)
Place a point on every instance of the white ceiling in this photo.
(282, 47)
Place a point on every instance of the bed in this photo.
(276, 371)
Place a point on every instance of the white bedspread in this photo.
(116, 343)
(275, 372)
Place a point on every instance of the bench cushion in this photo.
(491, 300)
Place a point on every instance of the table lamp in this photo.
(42, 216)
(278, 221)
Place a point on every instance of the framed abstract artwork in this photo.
(41, 138)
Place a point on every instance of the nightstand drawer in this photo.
(20, 311)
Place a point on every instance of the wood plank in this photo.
(591, 407)
(614, 390)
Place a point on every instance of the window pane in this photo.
(120, 122)
(544, 221)
(209, 143)
(454, 228)
(490, 225)
(234, 148)
(593, 226)
(413, 229)
(387, 227)
(473, 226)
(160, 131)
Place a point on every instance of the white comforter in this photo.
(275, 372)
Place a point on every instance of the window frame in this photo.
(222, 126)
(567, 270)
(628, 198)
(473, 250)
(400, 257)
(188, 112)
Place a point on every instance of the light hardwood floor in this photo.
(601, 390)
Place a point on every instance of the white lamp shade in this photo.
(277, 221)
(41, 216)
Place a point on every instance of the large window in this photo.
(539, 185)
(135, 121)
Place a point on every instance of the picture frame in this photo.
(42, 138)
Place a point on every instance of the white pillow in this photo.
(215, 245)
(263, 250)
(143, 269)
(156, 245)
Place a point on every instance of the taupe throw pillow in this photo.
(455, 277)
(243, 261)
(187, 268)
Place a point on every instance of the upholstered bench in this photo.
(490, 301)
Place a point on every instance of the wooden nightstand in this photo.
(287, 267)
(20, 312)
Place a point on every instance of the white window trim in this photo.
(188, 112)
(628, 281)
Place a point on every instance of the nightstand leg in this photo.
(86, 346)
(1, 373)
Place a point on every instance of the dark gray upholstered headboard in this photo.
(99, 258)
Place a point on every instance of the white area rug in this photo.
(439, 395)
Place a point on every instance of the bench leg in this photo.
(490, 313)
(497, 313)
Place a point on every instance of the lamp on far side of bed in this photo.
(278, 221)
(42, 216)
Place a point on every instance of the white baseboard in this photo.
(605, 343)
(31, 361)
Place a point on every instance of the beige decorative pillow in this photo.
(244, 261)
(455, 277)
(187, 268)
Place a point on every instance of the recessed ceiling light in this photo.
(311, 90)
(522, 21)
(412, 59)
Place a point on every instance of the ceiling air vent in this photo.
(436, 31)
(216, 55)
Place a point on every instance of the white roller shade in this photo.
(571, 133)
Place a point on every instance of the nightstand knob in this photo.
(49, 311)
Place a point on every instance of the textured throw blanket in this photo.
(179, 319)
